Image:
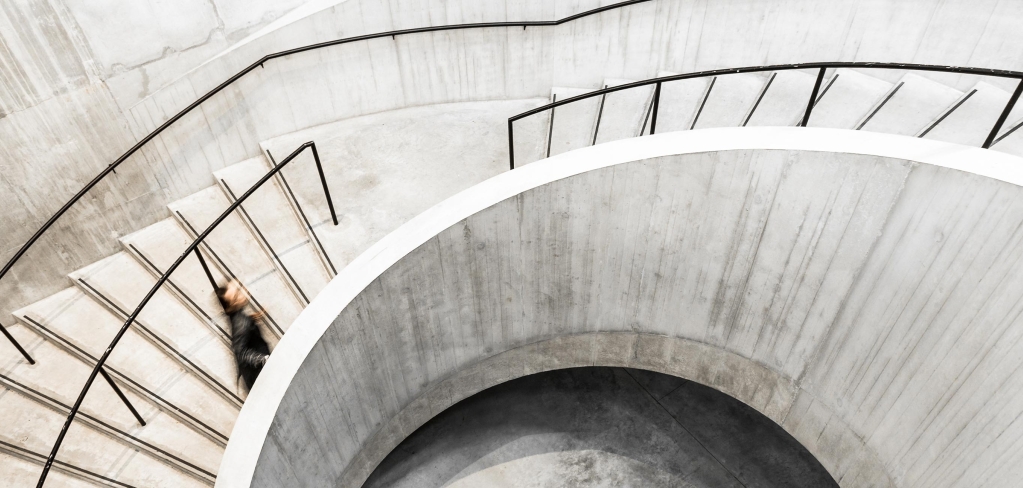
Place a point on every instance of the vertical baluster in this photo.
(813, 97)
(1005, 114)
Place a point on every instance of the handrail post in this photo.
(123, 398)
(323, 181)
(657, 102)
(511, 145)
(600, 113)
(550, 126)
(206, 269)
(813, 97)
(1005, 114)
(16, 344)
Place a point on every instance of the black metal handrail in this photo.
(821, 67)
(193, 247)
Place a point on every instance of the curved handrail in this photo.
(822, 66)
(110, 168)
(159, 283)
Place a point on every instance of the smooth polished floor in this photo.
(600, 427)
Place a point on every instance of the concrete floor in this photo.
(598, 427)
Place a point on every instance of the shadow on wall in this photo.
(600, 427)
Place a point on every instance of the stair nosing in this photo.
(160, 342)
(128, 381)
(108, 430)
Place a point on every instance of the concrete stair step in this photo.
(970, 119)
(845, 98)
(33, 429)
(1010, 138)
(233, 249)
(783, 99)
(54, 383)
(910, 106)
(161, 438)
(83, 328)
(573, 124)
(624, 113)
(270, 215)
(384, 169)
(679, 102)
(729, 99)
(120, 283)
(20, 467)
(156, 247)
(59, 375)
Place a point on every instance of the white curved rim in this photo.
(253, 423)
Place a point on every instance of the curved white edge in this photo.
(253, 423)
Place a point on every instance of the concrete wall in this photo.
(74, 109)
(858, 289)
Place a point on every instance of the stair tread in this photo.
(1011, 142)
(679, 102)
(624, 111)
(124, 282)
(161, 244)
(35, 428)
(972, 121)
(784, 101)
(56, 369)
(384, 169)
(846, 98)
(169, 442)
(573, 123)
(89, 326)
(530, 135)
(917, 102)
(272, 214)
(234, 243)
(17, 471)
(730, 99)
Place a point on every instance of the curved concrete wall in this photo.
(860, 289)
(61, 142)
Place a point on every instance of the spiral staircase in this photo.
(174, 367)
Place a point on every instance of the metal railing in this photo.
(259, 64)
(992, 136)
(193, 247)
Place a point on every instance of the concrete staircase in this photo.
(175, 365)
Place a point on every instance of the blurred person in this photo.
(250, 349)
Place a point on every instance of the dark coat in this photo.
(250, 350)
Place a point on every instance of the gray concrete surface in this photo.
(384, 169)
(185, 378)
(597, 427)
(73, 110)
(866, 304)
